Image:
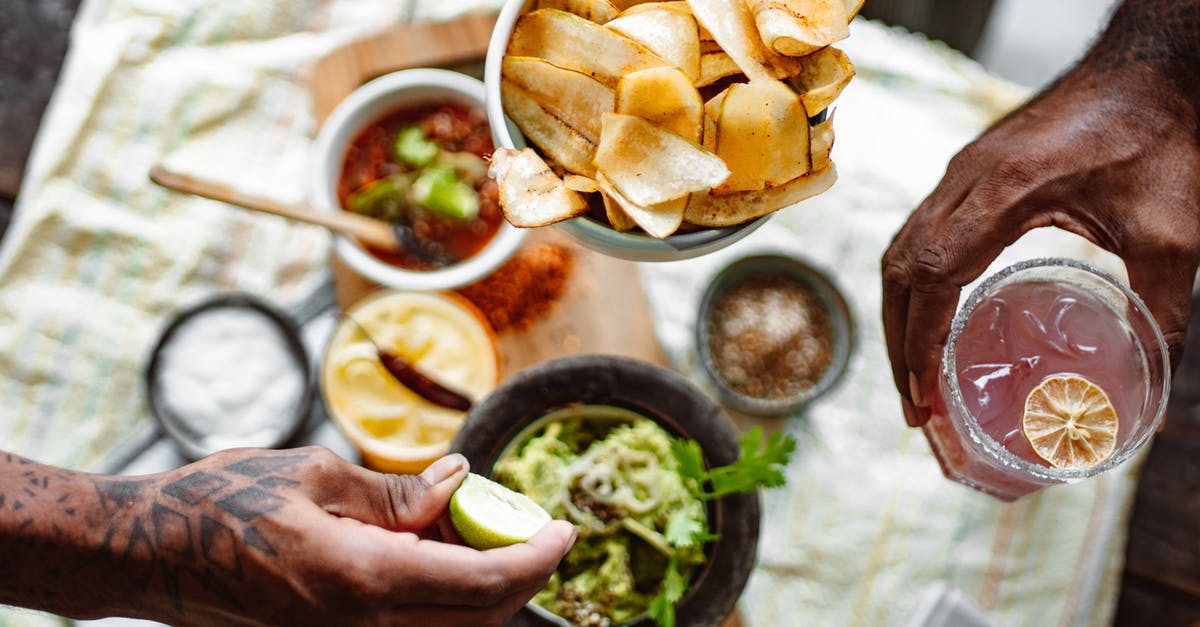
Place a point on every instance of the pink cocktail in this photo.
(1031, 321)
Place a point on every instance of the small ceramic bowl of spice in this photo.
(229, 372)
(774, 333)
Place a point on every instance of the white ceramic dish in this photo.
(365, 105)
(635, 246)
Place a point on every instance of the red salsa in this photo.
(424, 168)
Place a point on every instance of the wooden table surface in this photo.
(1161, 582)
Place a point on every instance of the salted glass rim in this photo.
(981, 439)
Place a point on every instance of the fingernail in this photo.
(910, 412)
(572, 535)
(914, 390)
(572, 538)
(443, 469)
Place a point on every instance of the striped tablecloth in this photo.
(96, 259)
(867, 527)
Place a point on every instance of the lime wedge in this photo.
(488, 515)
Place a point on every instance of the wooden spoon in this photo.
(380, 234)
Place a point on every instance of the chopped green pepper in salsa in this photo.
(424, 167)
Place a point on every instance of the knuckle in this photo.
(323, 458)
(1018, 171)
(490, 588)
(1176, 343)
(317, 450)
(968, 157)
(403, 496)
(895, 271)
(932, 265)
(1175, 339)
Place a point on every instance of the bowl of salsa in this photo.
(412, 148)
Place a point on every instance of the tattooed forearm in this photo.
(37, 510)
(257, 537)
(169, 538)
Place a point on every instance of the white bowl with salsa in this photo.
(411, 147)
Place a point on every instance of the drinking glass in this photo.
(969, 455)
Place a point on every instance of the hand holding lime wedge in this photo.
(488, 515)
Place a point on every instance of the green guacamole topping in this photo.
(611, 472)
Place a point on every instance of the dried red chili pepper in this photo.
(409, 376)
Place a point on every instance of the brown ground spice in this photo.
(525, 288)
(770, 337)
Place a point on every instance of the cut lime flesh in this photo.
(488, 515)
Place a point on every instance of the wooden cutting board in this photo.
(602, 309)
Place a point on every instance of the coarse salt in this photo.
(228, 377)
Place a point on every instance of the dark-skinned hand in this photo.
(261, 537)
(1110, 153)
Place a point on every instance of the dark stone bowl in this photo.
(659, 394)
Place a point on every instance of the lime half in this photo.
(488, 515)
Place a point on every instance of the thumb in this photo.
(402, 502)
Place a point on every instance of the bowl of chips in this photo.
(659, 131)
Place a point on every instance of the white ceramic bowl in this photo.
(595, 235)
(365, 105)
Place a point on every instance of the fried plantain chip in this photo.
(610, 95)
(671, 34)
(571, 42)
(852, 8)
(720, 211)
(617, 218)
(800, 27)
(598, 11)
(714, 66)
(674, 5)
(712, 111)
(567, 146)
(581, 184)
(531, 194)
(762, 135)
(664, 97)
(822, 143)
(649, 165)
(823, 76)
(732, 25)
(625, 5)
(573, 97)
(658, 220)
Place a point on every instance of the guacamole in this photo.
(611, 473)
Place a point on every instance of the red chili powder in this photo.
(525, 288)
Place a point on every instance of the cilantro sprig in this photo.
(760, 464)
